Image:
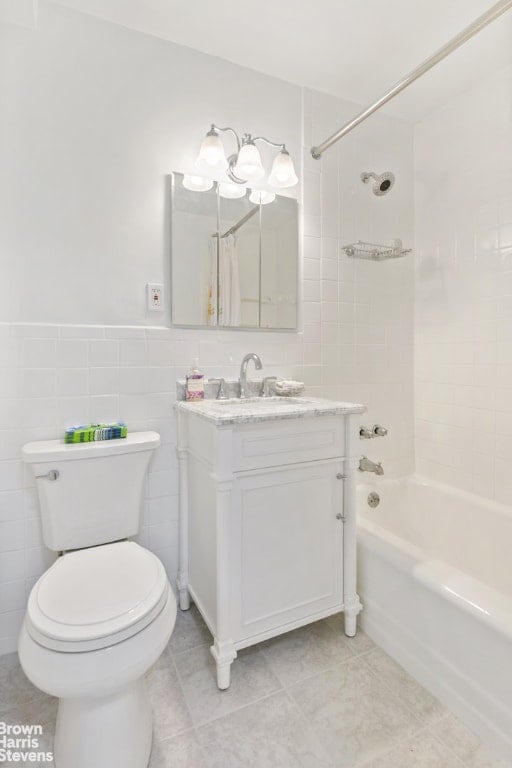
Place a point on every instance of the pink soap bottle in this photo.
(194, 389)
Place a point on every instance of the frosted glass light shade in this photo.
(283, 173)
(248, 165)
(196, 183)
(231, 191)
(262, 196)
(211, 152)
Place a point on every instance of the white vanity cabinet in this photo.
(267, 521)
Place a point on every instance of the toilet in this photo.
(102, 614)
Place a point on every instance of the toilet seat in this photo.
(93, 598)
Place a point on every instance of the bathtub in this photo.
(435, 580)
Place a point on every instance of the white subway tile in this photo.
(103, 352)
(133, 352)
(39, 353)
(12, 566)
(72, 381)
(12, 535)
(11, 502)
(12, 596)
(72, 353)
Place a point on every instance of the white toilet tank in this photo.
(90, 493)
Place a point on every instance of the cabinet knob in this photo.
(340, 476)
(339, 516)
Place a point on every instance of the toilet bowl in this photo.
(96, 622)
(101, 615)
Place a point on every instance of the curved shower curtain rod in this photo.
(467, 33)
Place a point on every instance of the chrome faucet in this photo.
(221, 393)
(365, 465)
(243, 371)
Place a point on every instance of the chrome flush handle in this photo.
(52, 474)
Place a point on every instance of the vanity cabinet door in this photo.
(286, 546)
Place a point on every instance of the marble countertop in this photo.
(255, 409)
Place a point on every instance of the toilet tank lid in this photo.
(58, 450)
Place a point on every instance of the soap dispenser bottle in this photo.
(194, 389)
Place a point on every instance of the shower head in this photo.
(381, 184)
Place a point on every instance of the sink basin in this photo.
(260, 402)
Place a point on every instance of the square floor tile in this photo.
(466, 745)
(41, 711)
(17, 690)
(189, 631)
(182, 751)
(251, 679)
(358, 644)
(420, 702)
(353, 713)
(306, 652)
(170, 712)
(268, 734)
(422, 751)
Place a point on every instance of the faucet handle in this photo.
(379, 431)
(365, 433)
(265, 387)
(221, 394)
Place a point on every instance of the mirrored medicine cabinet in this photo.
(234, 264)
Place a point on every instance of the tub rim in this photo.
(483, 602)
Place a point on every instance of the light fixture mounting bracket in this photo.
(230, 172)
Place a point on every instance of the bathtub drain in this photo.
(373, 499)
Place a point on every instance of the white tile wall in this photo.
(356, 337)
(54, 376)
(356, 344)
(463, 171)
(358, 325)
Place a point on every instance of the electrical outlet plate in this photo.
(155, 297)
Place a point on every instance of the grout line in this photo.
(329, 668)
(446, 746)
(385, 751)
(308, 726)
(213, 720)
(227, 714)
(396, 695)
(394, 742)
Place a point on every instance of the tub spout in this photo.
(365, 465)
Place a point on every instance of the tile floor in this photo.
(308, 699)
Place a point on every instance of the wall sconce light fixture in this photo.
(245, 165)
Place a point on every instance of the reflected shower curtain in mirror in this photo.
(229, 283)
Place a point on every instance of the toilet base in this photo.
(105, 732)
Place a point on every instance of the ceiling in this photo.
(355, 49)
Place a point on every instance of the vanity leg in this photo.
(224, 655)
(351, 602)
(351, 623)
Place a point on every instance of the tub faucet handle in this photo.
(365, 433)
(379, 431)
(221, 394)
